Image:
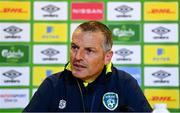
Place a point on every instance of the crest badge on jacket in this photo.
(110, 100)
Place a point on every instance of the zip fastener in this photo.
(82, 98)
(92, 104)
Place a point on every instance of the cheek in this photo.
(71, 58)
(98, 61)
(71, 55)
(95, 66)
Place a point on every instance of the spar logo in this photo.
(13, 10)
(87, 11)
(50, 9)
(123, 53)
(12, 74)
(123, 10)
(161, 75)
(161, 31)
(50, 52)
(12, 30)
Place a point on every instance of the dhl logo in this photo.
(13, 10)
(162, 98)
(161, 11)
(21, 9)
(169, 96)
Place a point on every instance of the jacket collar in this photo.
(108, 67)
(107, 71)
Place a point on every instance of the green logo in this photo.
(125, 32)
(14, 54)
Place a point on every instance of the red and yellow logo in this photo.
(14, 10)
(160, 11)
(168, 96)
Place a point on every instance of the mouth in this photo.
(78, 66)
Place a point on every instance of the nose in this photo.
(79, 55)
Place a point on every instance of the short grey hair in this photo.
(95, 26)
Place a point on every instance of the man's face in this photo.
(87, 57)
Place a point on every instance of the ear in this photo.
(108, 57)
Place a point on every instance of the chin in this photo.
(78, 75)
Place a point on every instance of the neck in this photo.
(93, 77)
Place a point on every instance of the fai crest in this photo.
(110, 100)
(62, 104)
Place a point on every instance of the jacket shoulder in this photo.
(54, 79)
(122, 75)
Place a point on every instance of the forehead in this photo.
(87, 37)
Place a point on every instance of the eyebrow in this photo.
(74, 44)
(93, 48)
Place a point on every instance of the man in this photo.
(89, 82)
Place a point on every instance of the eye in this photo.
(89, 51)
(74, 47)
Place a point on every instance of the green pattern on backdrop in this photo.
(133, 34)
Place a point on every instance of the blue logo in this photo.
(48, 72)
(49, 29)
(110, 100)
(160, 51)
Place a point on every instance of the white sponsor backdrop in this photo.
(14, 76)
(14, 98)
(161, 76)
(126, 54)
(59, 11)
(132, 12)
(166, 33)
(8, 36)
(53, 54)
